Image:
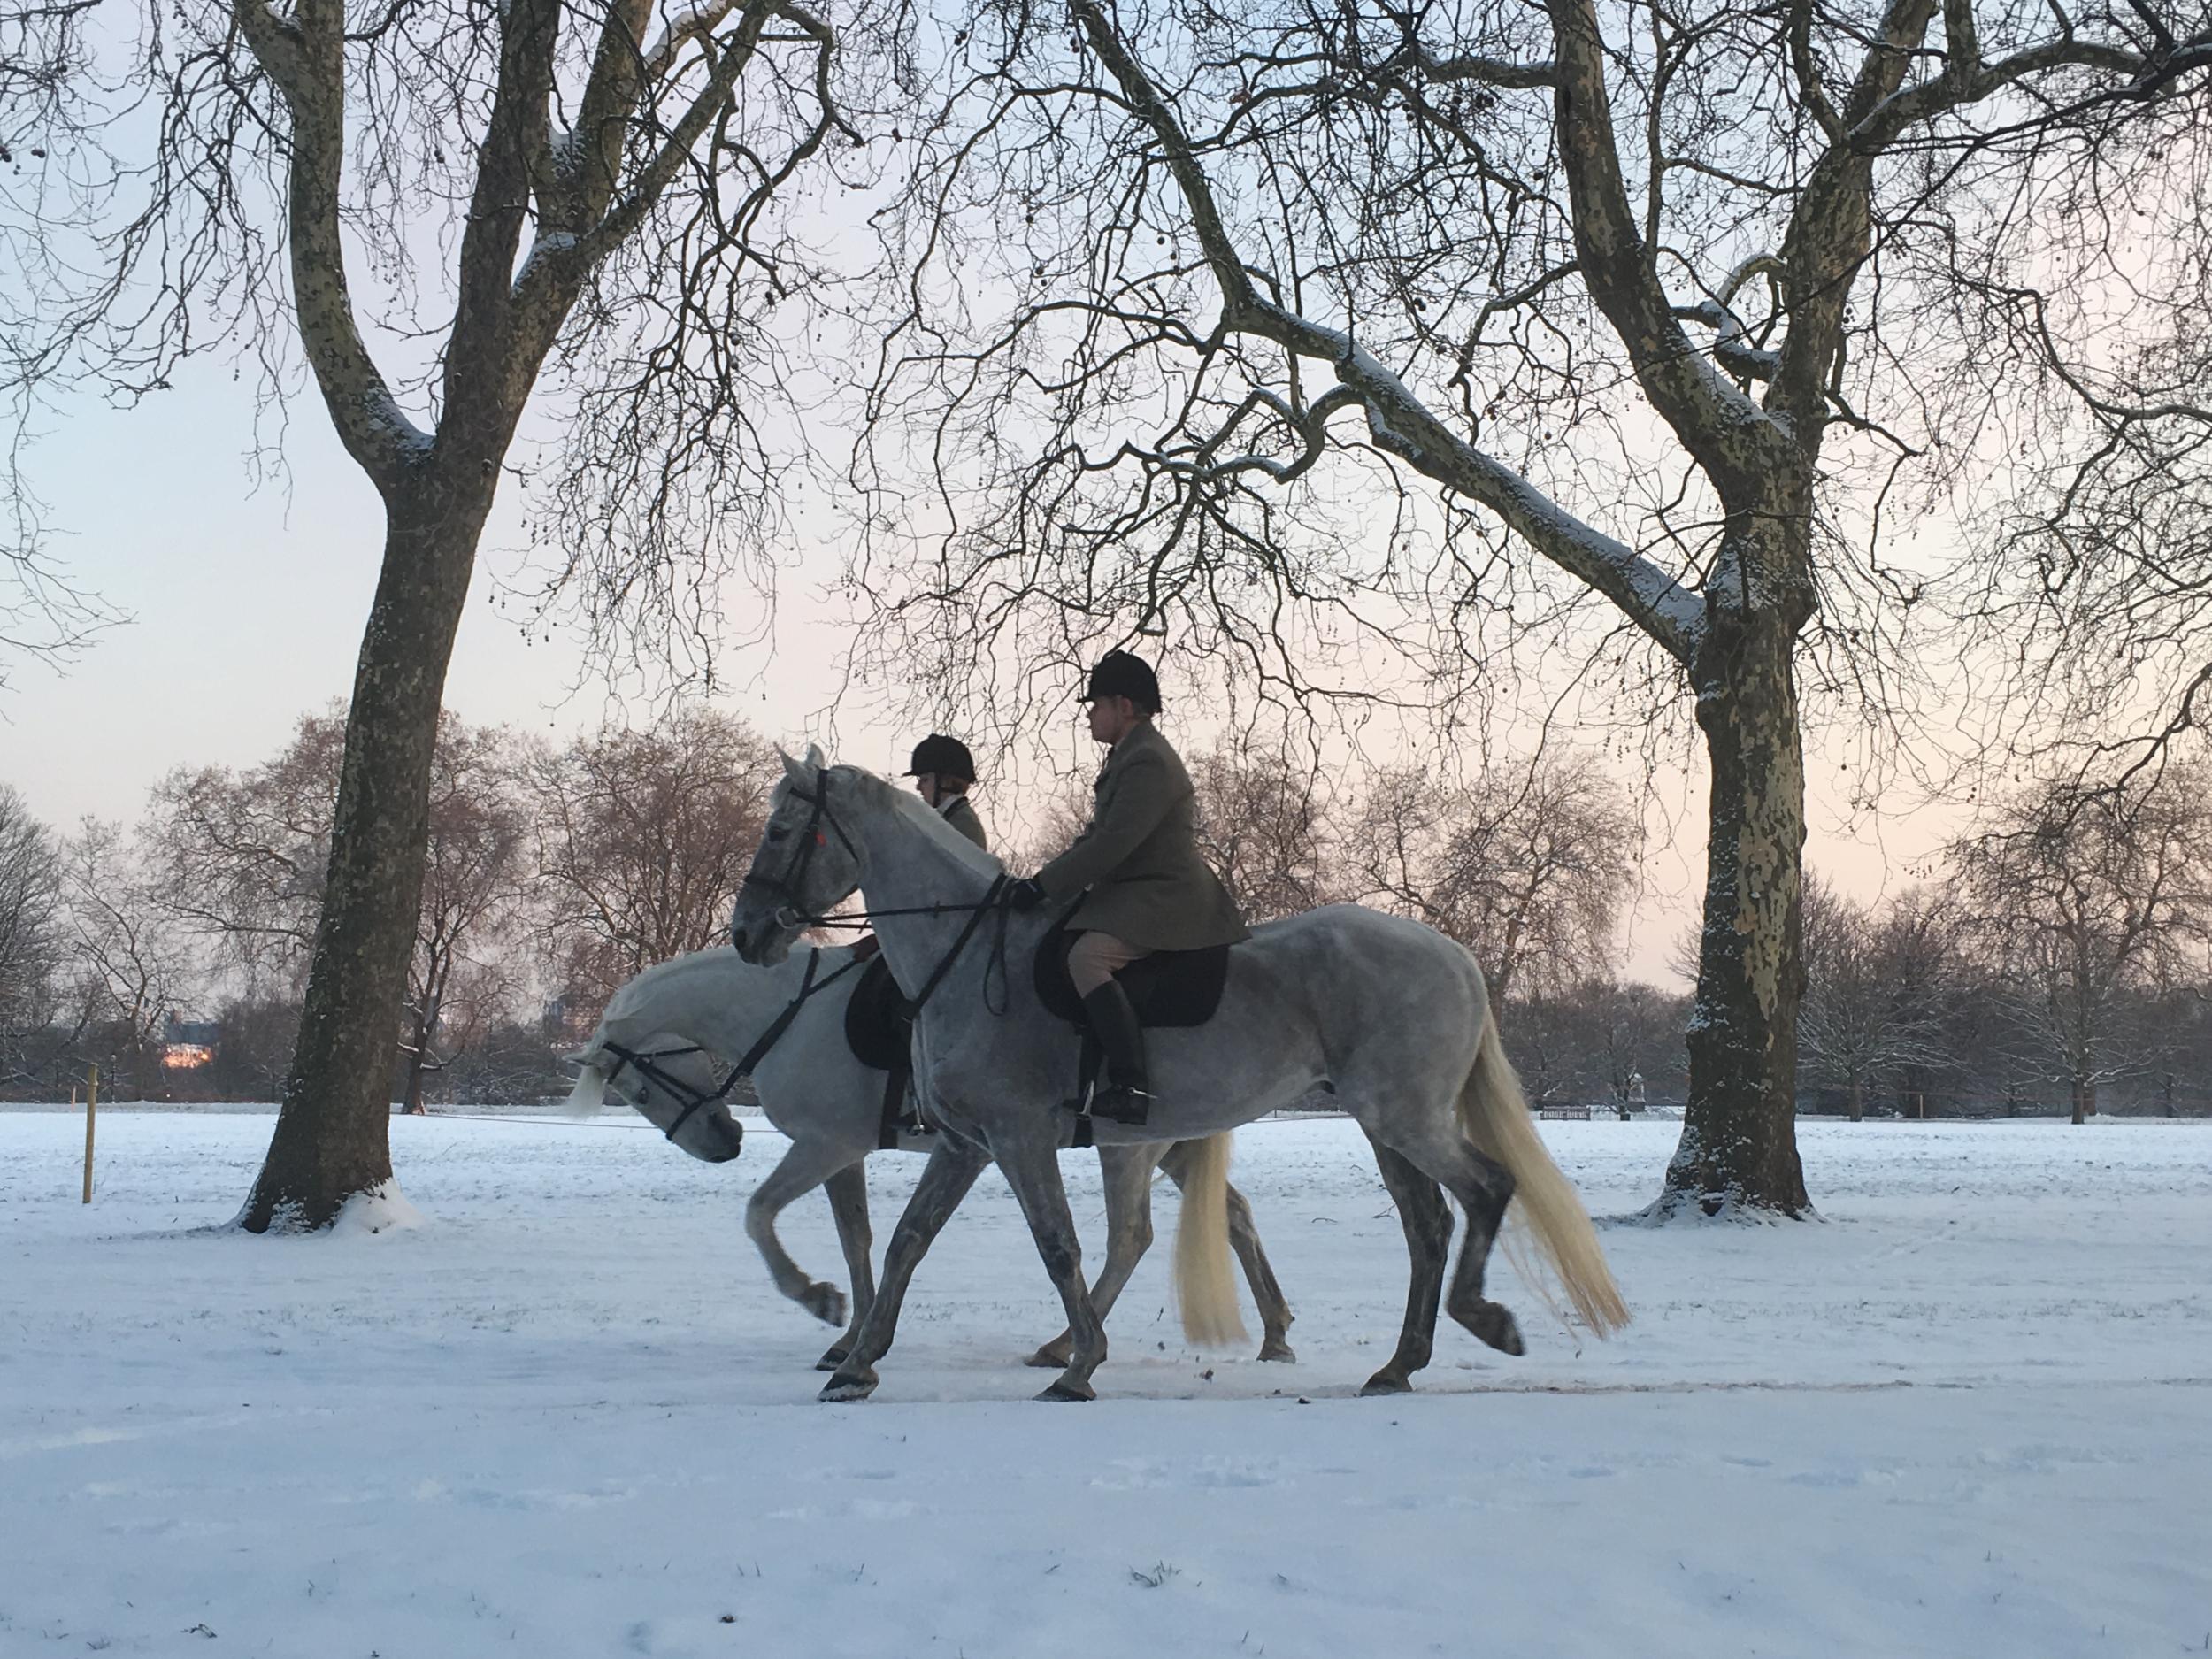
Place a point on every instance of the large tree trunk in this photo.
(1858, 1100)
(1738, 1148)
(332, 1135)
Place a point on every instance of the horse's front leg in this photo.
(809, 1161)
(1031, 1164)
(849, 1204)
(953, 1165)
(1127, 1175)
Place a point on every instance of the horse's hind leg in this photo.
(1427, 1221)
(953, 1165)
(1483, 1187)
(1127, 1176)
(1244, 1238)
(804, 1167)
(849, 1204)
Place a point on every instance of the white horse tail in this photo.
(1497, 1119)
(590, 1093)
(1205, 1288)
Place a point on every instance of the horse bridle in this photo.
(647, 1064)
(792, 884)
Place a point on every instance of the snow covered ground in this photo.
(1969, 1413)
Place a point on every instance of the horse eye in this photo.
(778, 834)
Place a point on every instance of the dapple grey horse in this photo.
(1389, 1014)
(813, 1089)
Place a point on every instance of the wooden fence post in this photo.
(91, 1110)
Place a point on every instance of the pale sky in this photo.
(249, 608)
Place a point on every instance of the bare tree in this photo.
(45, 81)
(1636, 1032)
(1877, 986)
(30, 922)
(134, 965)
(642, 838)
(585, 188)
(2080, 897)
(1642, 305)
(1262, 825)
(472, 893)
(1053, 825)
(1528, 868)
(1598, 1038)
(241, 857)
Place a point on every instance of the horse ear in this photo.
(798, 770)
(815, 757)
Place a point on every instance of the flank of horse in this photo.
(1389, 1015)
(817, 1093)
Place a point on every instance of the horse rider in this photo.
(1145, 886)
(943, 771)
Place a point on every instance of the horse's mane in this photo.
(641, 984)
(624, 1004)
(931, 823)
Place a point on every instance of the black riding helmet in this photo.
(947, 756)
(1119, 674)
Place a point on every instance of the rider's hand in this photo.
(1025, 895)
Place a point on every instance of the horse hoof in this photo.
(825, 1302)
(1276, 1348)
(1491, 1322)
(835, 1357)
(1050, 1357)
(1384, 1382)
(847, 1385)
(1065, 1390)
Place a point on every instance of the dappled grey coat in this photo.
(1149, 887)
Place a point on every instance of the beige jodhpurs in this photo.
(1093, 957)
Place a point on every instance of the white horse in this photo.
(648, 1049)
(1389, 1014)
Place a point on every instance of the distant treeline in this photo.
(2056, 962)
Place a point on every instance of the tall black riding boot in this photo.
(1128, 1095)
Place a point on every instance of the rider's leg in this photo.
(1092, 961)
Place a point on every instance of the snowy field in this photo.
(1969, 1413)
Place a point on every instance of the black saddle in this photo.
(1167, 989)
(880, 1031)
(879, 1027)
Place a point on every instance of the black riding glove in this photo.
(1025, 895)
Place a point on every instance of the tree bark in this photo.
(332, 1136)
(1738, 1148)
(1858, 1101)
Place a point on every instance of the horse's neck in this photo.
(717, 1000)
(909, 868)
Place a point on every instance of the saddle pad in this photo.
(1167, 987)
(877, 1028)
